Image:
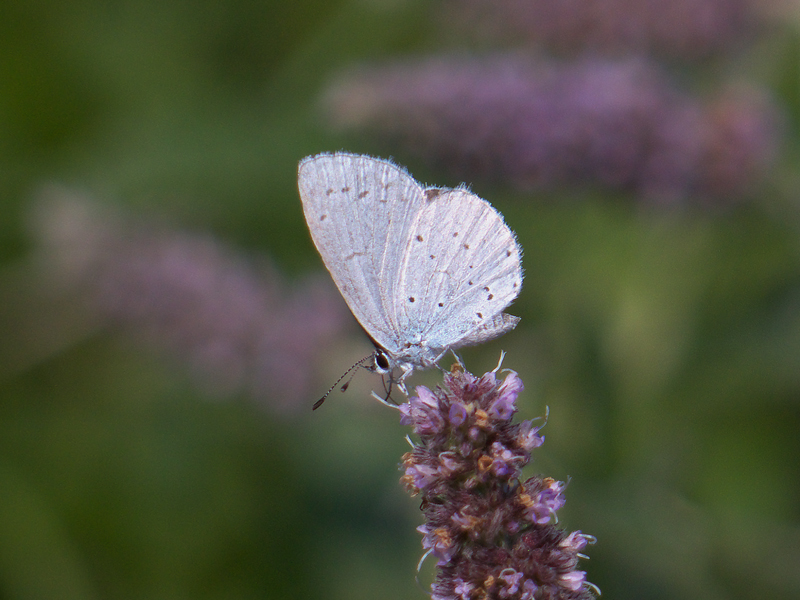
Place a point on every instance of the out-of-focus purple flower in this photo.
(494, 536)
(237, 327)
(686, 29)
(542, 124)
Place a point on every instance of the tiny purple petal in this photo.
(463, 589)
(438, 542)
(503, 460)
(575, 542)
(528, 437)
(458, 414)
(573, 580)
(405, 413)
(422, 475)
(512, 384)
(489, 379)
(528, 590)
(504, 406)
(546, 503)
(427, 397)
(448, 464)
(511, 578)
(422, 412)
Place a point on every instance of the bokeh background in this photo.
(166, 325)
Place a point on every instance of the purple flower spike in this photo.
(227, 319)
(494, 536)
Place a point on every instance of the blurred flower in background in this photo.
(236, 327)
(536, 124)
(603, 115)
(684, 29)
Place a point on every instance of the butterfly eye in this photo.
(382, 362)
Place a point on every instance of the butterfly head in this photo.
(381, 362)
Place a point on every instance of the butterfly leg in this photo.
(384, 401)
(456, 356)
(401, 382)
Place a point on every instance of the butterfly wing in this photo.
(360, 211)
(461, 268)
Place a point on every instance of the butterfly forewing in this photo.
(360, 211)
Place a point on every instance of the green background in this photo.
(666, 343)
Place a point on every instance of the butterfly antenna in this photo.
(319, 402)
(347, 383)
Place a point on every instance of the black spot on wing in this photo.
(432, 193)
(363, 194)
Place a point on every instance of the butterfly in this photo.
(424, 270)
